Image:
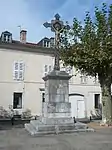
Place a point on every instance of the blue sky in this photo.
(31, 14)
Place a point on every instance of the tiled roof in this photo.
(28, 46)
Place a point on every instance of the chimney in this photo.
(23, 36)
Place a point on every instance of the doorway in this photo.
(77, 105)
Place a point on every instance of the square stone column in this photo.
(56, 103)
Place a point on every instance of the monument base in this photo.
(45, 126)
(56, 110)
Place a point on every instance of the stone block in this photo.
(58, 107)
(57, 121)
(79, 125)
(66, 127)
(57, 115)
(42, 128)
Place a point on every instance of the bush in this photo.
(26, 114)
(4, 113)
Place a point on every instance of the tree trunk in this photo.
(106, 100)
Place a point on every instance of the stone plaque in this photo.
(51, 108)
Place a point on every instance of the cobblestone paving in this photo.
(19, 139)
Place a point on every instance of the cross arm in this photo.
(47, 25)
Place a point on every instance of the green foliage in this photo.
(88, 47)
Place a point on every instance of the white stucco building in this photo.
(22, 66)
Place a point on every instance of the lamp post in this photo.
(56, 26)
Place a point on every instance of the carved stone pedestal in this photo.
(56, 117)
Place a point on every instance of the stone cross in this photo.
(56, 26)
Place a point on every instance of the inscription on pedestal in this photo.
(58, 107)
(51, 108)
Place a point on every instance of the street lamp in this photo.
(56, 26)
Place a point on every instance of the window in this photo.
(46, 68)
(16, 65)
(96, 100)
(46, 43)
(17, 100)
(69, 70)
(96, 80)
(45, 74)
(50, 68)
(6, 38)
(83, 79)
(18, 70)
(43, 97)
(52, 42)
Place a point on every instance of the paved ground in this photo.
(18, 139)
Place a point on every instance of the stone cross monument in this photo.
(56, 83)
(56, 117)
(57, 27)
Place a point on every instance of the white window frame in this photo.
(7, 38)
(50, 68)
(47, 69)
(96, 80)
(19, 105)
(18, 71)
(83, 79)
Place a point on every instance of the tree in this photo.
(88, 48)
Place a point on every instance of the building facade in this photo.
(23, 65)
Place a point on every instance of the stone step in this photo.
(76, 130)
(42, 128)
(43, 133)
(55, 129)
(79, 125)
(30, 129)
(57, 121)
(66, 127)
(35, 122)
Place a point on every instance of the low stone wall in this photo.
(6, 123)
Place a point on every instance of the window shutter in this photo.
(83, 79)
(15, 70)
(50, 68)
(45, 70)
(16, 66)
(21, 70)
(18, 70)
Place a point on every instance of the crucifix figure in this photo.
(56, 26)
